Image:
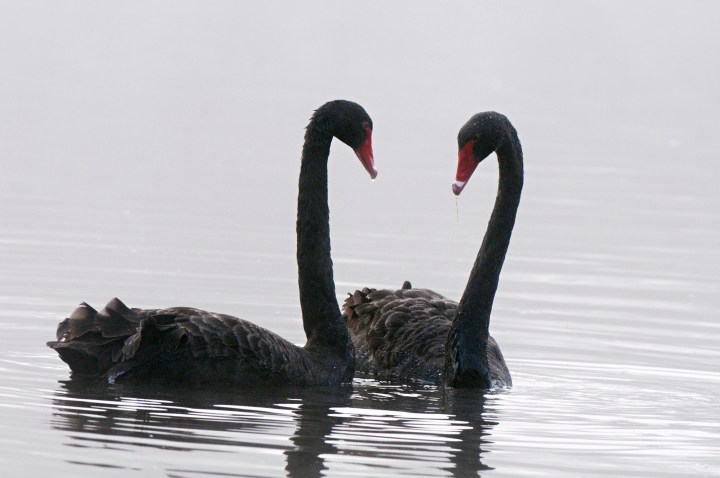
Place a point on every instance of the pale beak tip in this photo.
(457, 187)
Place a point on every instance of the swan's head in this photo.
(483, 134)
(351, 124)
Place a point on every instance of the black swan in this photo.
(186, 345)
(418, 334)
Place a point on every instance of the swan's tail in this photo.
(92, 342)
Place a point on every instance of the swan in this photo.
(187, 345)
(418, 334)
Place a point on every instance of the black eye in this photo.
(366, 125)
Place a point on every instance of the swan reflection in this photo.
(373, 427)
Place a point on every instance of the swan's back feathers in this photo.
(115, 320)
(179, 344)
(91, 341)
(401, 334)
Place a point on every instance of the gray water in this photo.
(150, 151)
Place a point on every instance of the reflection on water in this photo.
(375, 428)
(151, 153)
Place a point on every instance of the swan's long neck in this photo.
(321, 315)
(466, 357)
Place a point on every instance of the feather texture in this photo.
(186, 345)
(401, 334)
(418, 334)
(180, 344)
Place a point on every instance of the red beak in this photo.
(466, 166)
(365, 155)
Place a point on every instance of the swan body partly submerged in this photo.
(187, 345)
(418, 334)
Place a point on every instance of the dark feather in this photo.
(179, 345)
(419, 334)
(182, 344)
(401, 334)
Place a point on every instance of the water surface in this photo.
(150, 152)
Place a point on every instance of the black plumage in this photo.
(187, 345)
(418, 334)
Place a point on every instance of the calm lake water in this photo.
(150, 151)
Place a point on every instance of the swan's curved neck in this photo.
(320, 311)
(467, 343)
